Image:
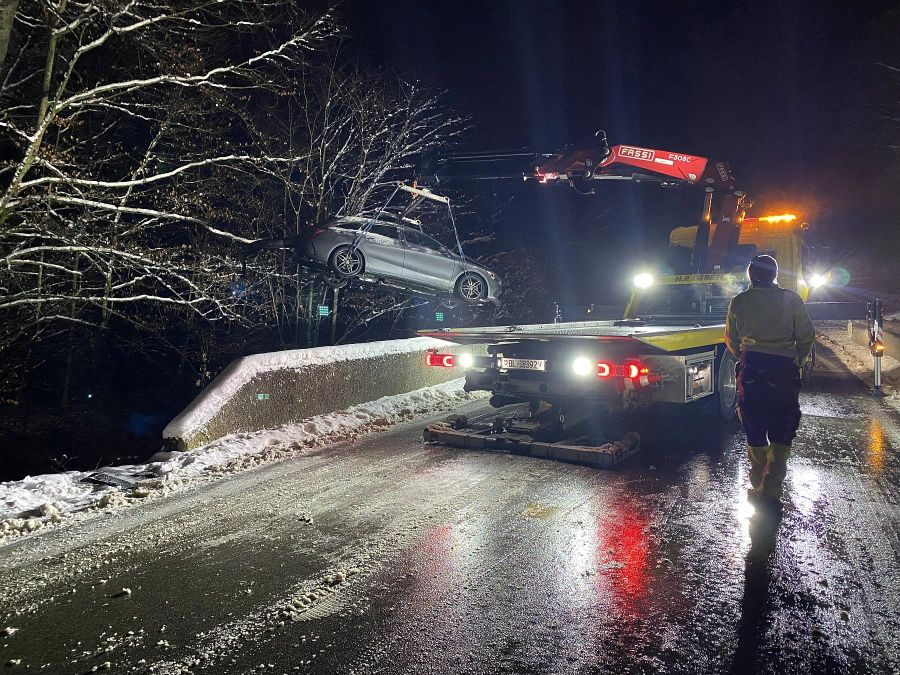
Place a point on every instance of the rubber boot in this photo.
(758, 455)
(774, 472)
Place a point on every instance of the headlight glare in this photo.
(582, 366)
(643, 280)
(817, 280)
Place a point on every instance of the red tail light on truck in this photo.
(435, 360)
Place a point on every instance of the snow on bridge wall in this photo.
(265, 391)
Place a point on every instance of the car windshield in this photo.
(703, 300)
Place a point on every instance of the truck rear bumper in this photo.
(540, 386)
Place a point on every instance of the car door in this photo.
(384, 250)
(427, 262)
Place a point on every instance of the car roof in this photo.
(360, 220)
(407, 223)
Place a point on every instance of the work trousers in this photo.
(768, 389)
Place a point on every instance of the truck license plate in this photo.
(522, 364)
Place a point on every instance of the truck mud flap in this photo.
(600, 456)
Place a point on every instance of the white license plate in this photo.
(522, 364)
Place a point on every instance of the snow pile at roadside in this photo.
(35, 502)
(858, 359)
(230, 381)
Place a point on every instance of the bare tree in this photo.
(109, 110)
(150, 139)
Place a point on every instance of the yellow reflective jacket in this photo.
(771, 320)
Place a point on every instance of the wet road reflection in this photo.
(876, 447)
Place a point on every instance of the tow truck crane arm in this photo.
(724, 204)
(619, 162)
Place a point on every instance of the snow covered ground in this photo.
(40, 501)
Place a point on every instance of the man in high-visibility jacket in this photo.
(768, 330)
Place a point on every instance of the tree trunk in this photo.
(309, 317)
(7, 18)
(334, 311)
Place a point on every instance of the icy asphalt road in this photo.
(384, 556)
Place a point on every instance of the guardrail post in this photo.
(875, 322)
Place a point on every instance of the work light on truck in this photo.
(643, 280)
(818, 280)
(582, 366)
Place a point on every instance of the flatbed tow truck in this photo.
(556, 385)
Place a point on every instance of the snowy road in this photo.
(387, 556)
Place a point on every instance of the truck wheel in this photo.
(726, 386)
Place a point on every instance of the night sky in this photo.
(790, 93)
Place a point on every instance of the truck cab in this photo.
(705, 297)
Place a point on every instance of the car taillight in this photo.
(435, 360)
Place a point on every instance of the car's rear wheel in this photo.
(471, 287)
(346, 262)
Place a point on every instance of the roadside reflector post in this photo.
(875, 324)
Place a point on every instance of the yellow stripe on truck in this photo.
(686, 339)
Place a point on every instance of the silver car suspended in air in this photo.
(388, 252)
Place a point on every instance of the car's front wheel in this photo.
(471, 287)
(346, 262)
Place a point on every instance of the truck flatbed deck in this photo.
(664, 337)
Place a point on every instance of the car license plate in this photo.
(522, 364)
